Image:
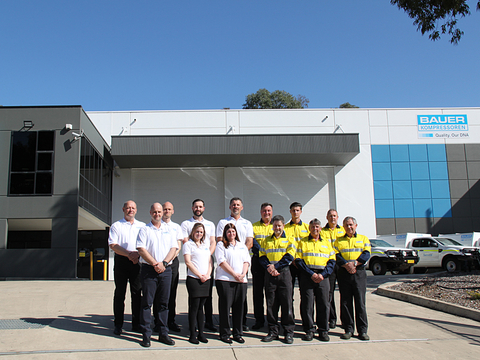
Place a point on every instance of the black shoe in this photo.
(202, 339)
(364, 336)
(323, 336)
(174, 327)
(193, 340)
(257, 326)
(346, 336)
(332, 325)
(167, 340)
(308, 336)
(117, 330)
(210, 327)
(270, 337)
(246, 328)
(238, 339)
(145, 342)
(289, 339)
(137, 329)
(226, 339)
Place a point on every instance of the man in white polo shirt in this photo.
(157, 249)
(244, 231)
(198, 208)
(122, 240)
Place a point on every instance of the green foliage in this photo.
(278, 99)
(474, 294)
(347, 105)
(428, 14)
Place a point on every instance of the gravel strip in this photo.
(451, 288)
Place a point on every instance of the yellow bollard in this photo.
(91, 265)
(105, 268)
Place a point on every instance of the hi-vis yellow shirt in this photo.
(297, 231)
(352, 248)
(332, 234)
(315, 253)
(274, 249)
(261, 231)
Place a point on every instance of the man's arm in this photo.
(249, 242)
(131, 255)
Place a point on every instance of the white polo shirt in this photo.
(199, 256)
(174, 230)
(244, 227)
(123, 233)
(157, 242)
(187, 227)
(235, 256)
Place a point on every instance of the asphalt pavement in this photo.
(74, 320)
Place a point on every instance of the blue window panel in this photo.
(383, 190)
(442, 208)
(422, 208)
(419, 171)
(438, 170)
(436, 152)
(384, 209)
(399, 153)
(382, 171)
(380, 153)
(402, 190)
(421, 190)
(400, 171)
(418, 152)
(440, 189)
(403, 208)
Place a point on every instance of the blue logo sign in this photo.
(442, 122)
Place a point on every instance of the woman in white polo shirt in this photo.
(196, 252)
(231, 282)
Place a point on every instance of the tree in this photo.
(428, 14)
(278, 99)
(347, 105)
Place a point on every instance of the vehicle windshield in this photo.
(379, 242)
(447, 241)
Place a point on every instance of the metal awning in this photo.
(234, 150)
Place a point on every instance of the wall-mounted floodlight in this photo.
(231, 130)
(68, 127)
(28, 124)
(338, 128)
(324, 119)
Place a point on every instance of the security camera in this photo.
(76, 134)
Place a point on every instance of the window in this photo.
(31, 163)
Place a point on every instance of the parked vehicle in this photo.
(437, 252)
(466, 239)
(386, 257)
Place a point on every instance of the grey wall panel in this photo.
(64, 233)
(386, 227)
(404, 225)
(423, 225)
(461, 208)
(43, 118)
(38, 207)
(37, 263)
(5, 138)
(457, 170)
(458, 189)
(472, 152)
(473, 170)
(455, 152)
(3, 233)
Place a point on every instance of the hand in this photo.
(203, 278)
(133, 256)
(159, 268)
(317, 278)
(239, 277)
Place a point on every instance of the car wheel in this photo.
(378, 267)
(451, 265)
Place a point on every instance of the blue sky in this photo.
(169, 55)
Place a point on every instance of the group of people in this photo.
(277, 252)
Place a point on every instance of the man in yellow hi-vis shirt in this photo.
(352, 252)
(276, 254)
(315, 260)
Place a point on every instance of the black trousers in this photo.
(353, 288)
(208, 301)
(124, 272)
(231, 295)
(172, 301)
(313, 296)
(333, 280)
(258, 280)
(153, 282)
(278, 291)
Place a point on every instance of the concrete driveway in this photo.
(73, 320)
